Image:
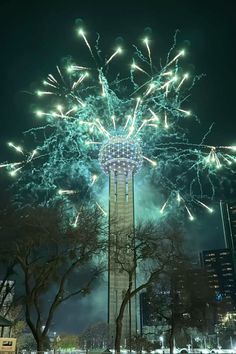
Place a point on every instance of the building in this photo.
(151, 326)
(146, 313)
(120, 159)
(228, 214)
(182, 301)
(221, 278)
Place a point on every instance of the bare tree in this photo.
(148, 252)
(55, 262)
(95, 336)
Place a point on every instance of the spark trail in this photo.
(150, 105)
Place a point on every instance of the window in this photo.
(115, 186)
(126, 189)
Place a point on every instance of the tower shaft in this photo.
(121, 251)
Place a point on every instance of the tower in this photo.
(120, 158)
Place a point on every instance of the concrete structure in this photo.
(120, 158)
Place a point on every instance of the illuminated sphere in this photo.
(121, 154)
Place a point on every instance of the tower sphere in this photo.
(121, 154)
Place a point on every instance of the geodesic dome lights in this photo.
(121, 154)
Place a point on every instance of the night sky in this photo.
(35, 35)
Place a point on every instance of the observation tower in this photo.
(120, 158)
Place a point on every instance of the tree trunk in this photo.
(171, 342)
(42, 344)
(171, 338)
(118, 334)
(119, 319)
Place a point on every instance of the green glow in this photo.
(39, 113)
(81, 32)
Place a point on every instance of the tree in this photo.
(49, 255)
(149, 251)
(140, 343)
(18, 330)
(95, 336)
(226, 330)
(67, 341)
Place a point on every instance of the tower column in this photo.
(121, 253)
(121, 157)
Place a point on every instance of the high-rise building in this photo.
(221, 277)
(184, 295)
(152, 326)
(120, 159)
(146, 310)
(228, 214)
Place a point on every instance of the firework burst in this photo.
(145, 110)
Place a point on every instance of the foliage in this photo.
(25, 340)
(140, 343)
(67, 341)
(95, 336)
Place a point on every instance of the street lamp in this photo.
(218, 339)
(162, 341)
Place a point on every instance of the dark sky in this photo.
(35, 35)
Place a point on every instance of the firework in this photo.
(126, 122)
